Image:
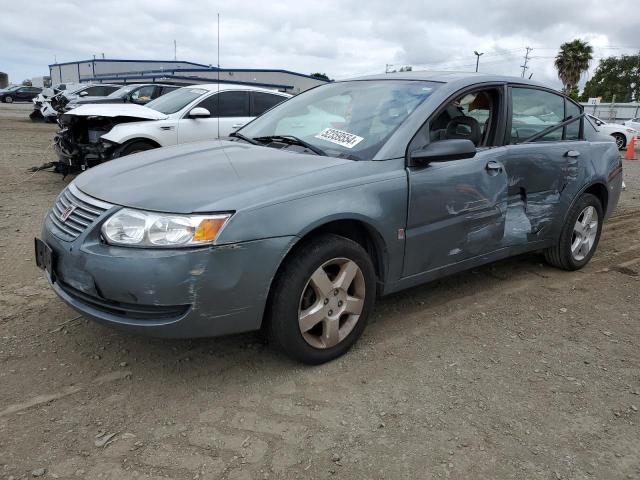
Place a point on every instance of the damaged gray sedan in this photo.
(349, 191)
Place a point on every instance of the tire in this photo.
(135, 147)
(564, 255)
(300, 287)
(8, 99)
(621, 140)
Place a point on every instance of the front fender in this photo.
(379, 205)
(125, 132)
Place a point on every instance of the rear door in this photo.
(539, 168)
(263, 101)
(233, 110)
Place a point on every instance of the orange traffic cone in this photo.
(630, 154)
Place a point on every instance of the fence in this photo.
(614, 112)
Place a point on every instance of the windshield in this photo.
(121, 92)
(344, 119)
(175, 101)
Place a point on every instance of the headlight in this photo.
(137, 228)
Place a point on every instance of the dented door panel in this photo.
(537, 175)
(457, 210)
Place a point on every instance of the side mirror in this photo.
(443, 151)
(84, 94)
(199, 112)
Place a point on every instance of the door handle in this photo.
(494, 167)
(572, 154)
(237, 125)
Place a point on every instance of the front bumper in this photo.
(172, 293)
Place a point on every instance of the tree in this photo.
(571, 62)
(615, 76)
(26, 83)
(321, 76)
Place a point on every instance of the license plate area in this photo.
(44, 257)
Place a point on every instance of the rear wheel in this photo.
(135, 147)
(621, 140)
(580, 235)
(321, 299)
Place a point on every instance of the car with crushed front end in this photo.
(348, 191)
(92, 134)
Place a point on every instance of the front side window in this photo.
(143, 94)
(228, 104)
(534, 111)
(350, 119)
(467, 117)
(122, 91)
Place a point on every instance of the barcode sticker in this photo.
(345, 139)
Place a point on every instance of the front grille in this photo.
(84, 211)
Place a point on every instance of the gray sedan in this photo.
(349, 191)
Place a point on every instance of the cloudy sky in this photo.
(342, 38)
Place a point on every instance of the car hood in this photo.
(205, 177)
(117, 110)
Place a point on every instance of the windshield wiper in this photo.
(243, 137)
(291, 140)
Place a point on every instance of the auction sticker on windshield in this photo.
(345, 139)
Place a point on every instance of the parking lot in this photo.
(512, 370)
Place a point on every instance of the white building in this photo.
(177, 72)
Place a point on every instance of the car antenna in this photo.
(218, 94)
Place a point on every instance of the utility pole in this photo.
(478, 55)
(526, 60)
(175, 50)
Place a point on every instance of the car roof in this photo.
(234, 86)
(461, 78)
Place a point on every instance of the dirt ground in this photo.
(511, 371)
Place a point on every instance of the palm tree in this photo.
(571, 62)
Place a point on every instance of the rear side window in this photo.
(572, 131)
(227, 104)
(261, 102)
(534, 111)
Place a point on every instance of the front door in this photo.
(456, 211)
(229, 109)
(457, 208)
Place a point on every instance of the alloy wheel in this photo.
(584, 234)
(331, 303)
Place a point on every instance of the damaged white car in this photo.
(92, 134)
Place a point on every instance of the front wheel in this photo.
(580, 235)
(8, 99)
(621, 140)
(321, 299)
(135, 147)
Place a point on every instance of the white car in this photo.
(633, 123)
(92, 134)
(622, 134)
